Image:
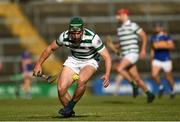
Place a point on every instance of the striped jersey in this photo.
(89, 48)
(128, 37)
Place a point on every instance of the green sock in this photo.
(148, 93)
(133, 84)
(71, 104)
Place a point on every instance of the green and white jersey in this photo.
(89, 48)
(128, 37)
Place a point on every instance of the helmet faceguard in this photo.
(76, 30)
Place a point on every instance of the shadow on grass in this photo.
(60, 117)
(117, 102)
(77, 116)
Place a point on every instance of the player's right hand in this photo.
(105, 79)
(37, 71)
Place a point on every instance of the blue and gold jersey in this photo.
(161, 54)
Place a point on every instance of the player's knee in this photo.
(120, 70)
(61, 90)
(137, 79)
(81, 84)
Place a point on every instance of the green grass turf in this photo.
(89, 108)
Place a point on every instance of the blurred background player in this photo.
(86, 48)
(129, 33)
(161, 44)
(27, 70)
(117, 79)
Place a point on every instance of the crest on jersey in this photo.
(98, 41)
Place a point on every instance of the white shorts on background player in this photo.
(76, 65)
(132, 57)
(165, 65)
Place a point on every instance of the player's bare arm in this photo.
(143, 37)
(45, 54)
(104, 53)
(170, 45)
(164, 45)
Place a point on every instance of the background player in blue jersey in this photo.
(161, 44)
(27, 69)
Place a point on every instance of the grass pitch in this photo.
(97, 108)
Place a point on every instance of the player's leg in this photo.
(169, 77)
(135, 74)
(117, 80)
(27, 84)
(126, 62)
(84, 74)
(155, 70)
(64, 81)
(122, 69)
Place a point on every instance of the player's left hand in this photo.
(105, 79)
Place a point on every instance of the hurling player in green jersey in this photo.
(86, 47)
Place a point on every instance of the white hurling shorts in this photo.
(76, 64)
(165, 65)
(132, 57)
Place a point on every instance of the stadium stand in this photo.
(19, 26)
